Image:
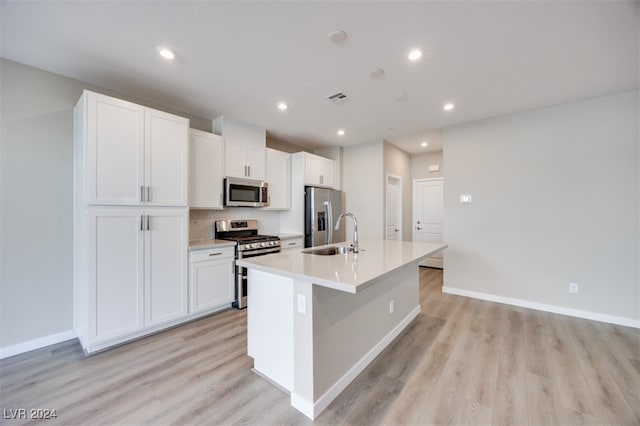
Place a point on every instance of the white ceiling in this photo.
(240, 58)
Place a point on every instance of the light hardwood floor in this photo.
(462, 361)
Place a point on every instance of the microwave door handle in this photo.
(327, 206)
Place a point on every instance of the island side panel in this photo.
(302, 396)
(351, 329)
(270, 326)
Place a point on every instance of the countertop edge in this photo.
(349, 288)
(209, 244)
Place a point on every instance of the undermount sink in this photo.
(329, 251)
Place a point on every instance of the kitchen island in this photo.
(315, 322)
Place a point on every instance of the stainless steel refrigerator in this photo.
(322, 207)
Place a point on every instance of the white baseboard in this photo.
(34, 344)
(628, 322)
(312, 410)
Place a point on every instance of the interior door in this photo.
(429, 216)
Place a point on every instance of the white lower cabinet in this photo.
(131, 276)
(165, 278)
(292, 244)
(211, 279)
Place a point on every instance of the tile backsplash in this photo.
(201, 222)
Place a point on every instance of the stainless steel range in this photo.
(248, 244)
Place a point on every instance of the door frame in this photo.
(399, 206)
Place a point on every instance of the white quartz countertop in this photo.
(207, 244)
(346, 272)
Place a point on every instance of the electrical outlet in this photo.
(573, 288)
(302, 304)
(391, 307)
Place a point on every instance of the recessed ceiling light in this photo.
(337, 36)
(424, 144)
(340, 132)
(282, 106)
(376, 73)
(166, 53)
(401, 97)
(449, 107)
(415, 54)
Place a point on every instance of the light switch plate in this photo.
(465, 198)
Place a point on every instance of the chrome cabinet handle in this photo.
(214, 254)
(148, 223)
(141, 221)
(148, 193)
(249, 168)
(292, 244)
(418, 228)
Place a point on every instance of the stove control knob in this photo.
(263, 244)
(251, 246)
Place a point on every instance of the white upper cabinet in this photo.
(279, 179)
(318, 171)
(245, 161)
(166, 147)
(114, 139)
(245, 148)
(134, 155)
(206, 170)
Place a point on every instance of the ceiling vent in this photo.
(339, 98)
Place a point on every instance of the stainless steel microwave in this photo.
(245, 192)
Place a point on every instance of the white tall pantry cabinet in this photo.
(130, 220)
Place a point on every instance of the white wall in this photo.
(398, 163)
(363, 185)
(36, 172)
(420, 165)
(555, 200)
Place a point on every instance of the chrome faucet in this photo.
(355, 229)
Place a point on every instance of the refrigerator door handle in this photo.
(327, 206)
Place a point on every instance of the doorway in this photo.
(393, 209)
(428, 216)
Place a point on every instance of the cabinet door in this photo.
(235, 160)
(312, 169)
(278, 175)
(206, 172)
(256, 162)
(211, 284)
(115, 273)
(166, 147)
(319, 171)
(166, 245)
(115, 150)
(327, 172)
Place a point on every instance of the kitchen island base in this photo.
(313, 340)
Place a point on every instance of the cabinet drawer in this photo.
(211, 254)
(296, 243)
